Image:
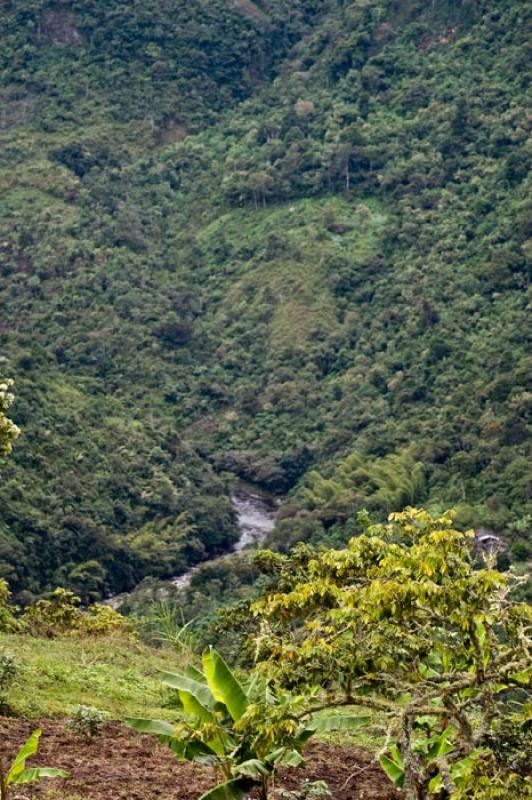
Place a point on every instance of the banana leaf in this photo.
(344, 722)
(36, 773)
(185, 684)
(232, 790)
(158, 727)
(224, 685)
(29, 748)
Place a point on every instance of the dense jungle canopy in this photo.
(285, 240)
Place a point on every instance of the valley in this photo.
(265, 384)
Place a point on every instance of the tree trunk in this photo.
(263, 789)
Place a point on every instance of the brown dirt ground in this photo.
(121, 765)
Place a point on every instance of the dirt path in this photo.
(120, 765)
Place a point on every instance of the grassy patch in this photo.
(115, 675)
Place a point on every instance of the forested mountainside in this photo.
(285, 240)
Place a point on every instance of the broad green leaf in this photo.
(36, 773)
(522, 677)
(232, 790)
(303, 735)
(223, 684)
(29, 748)
(193, 708)
(195, 674)
(198, 690)
(396, 755)
(196, 750)
(463, 766)
(178, 748)
(253, 768)
(393, 770)
(158, 727)
(440, 746)
(436, 784)
(185, 750)
(292, 759)
(337, 723)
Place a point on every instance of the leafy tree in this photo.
(146, 303)
(8, 430)
(403, 623)
(60, 614)
(386, 484)
(8, 620)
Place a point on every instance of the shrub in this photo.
(61, 614)
(402, 621)
(8, 621)
(100, 620)
(87, 721)
(244, 730)
(309, 790)
(9, 668)
(52, 617)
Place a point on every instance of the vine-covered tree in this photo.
(402, 621)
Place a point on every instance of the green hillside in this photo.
(251, 239)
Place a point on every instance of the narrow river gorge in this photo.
(255, 518)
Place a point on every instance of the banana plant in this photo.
(18, 773)
(245, 731)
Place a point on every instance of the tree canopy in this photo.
(8, 430)
(402, 621)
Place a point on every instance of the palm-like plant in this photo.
(244, 731)
(17, 772)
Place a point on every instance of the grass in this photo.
(295, 279)
(115, 675)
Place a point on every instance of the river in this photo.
(255, 518)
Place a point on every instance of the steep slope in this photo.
(255, 237)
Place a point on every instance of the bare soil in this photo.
(121, 765)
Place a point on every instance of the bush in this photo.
(8, 622)
(61, 614)
(52, 617)
(309, 790)
(100, 620)
(9, 668)
(87, 721)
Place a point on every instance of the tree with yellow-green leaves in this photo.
(8, 430)
(404, 622)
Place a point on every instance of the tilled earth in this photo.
(121, 765)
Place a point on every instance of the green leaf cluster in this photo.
(244, 730)
(401, 621)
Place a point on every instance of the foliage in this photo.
(55, 616)
(9, 670)
(61, 614)
(392, 483)
(8, 430)
(402, 622)
(257, 243)
(87, 721)
(17, 773)
(165, 624)
(113, 674)
(309, 790)
(8, 621)
(99, 620)
(246, 731)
